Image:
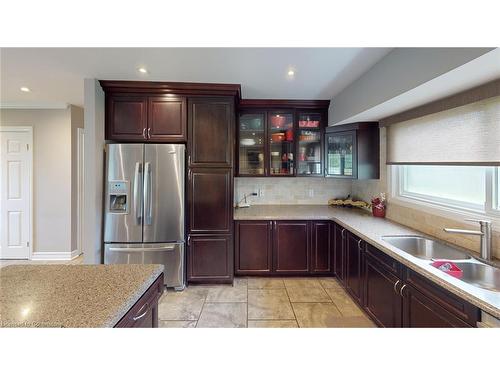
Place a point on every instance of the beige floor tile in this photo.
(269, 304)
(330, 283)
(272, 324)
(223, 315)
(227, 294)
(344, 303)
(177, 323)
(185, 305)
(302, 282)
(240, 282)
(317, 315)
(307, 295)
(265, 283)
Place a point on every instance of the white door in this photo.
(15, 192)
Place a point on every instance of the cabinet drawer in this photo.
(393, 265)
(462, 309)
(144, 312)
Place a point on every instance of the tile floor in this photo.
(262, 303)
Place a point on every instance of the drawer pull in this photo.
(401, 290)
(136, 318)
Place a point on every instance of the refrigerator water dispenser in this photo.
(118, 196)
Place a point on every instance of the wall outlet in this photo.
(310, 193)
(260, 192)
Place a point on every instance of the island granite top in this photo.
(71, 295)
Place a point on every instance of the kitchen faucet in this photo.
(484, 232)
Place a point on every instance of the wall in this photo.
(53, 196)
(76, 122)
(401, 70)
(93, 174)
(283, 190)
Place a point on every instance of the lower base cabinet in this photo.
(144, 313)
(283, 247)
(210, 259)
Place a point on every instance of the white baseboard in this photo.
(55, 255)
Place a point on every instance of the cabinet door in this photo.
(253, 253)
(211, 123)
(126, 118)
(341, 154)
(167, 119)
(310, 144)
(354, 254)
(281, 137)
(382, 300)
(321, 261)
(252, 144)
(210, 258)
(291, 246)
(210, 193)
(339, 252)
(420, 311)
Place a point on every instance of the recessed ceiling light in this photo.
(143, 70)
(25, 89)
(291, 72)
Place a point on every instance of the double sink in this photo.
(473, 272)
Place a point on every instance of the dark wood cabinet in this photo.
(210, 192)
(382, 300)
(291, 247)
(144, 313)
(126, 118)
(339, 252)
(281, 137)
(353, 151)
(211, 124)
(321, 256)
(354, 250)
(210, 258)
(167, 119)
(420, 311)
(253, 247)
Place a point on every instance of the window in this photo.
(464, 188)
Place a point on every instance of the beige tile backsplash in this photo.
(284, 190)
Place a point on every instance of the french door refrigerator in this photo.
(144, 207)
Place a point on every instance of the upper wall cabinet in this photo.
(138, 111)
(281, 138)
(353, 151)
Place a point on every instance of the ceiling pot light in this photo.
(25, 89)
(291, 72)
(142, 70)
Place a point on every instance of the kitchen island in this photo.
(80, 295)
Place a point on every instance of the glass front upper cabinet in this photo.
(341, 154)
(309, 157)
(281, 144)
(252, 144)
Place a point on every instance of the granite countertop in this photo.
(71, 295)
(371, 229)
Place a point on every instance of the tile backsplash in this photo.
(284, 190)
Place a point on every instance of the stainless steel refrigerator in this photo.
(144, 207)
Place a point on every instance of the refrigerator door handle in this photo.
(142, 249)
(137, 193)
(147, 194)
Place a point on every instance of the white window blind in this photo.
(465, 135)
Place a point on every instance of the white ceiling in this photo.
(55, 75)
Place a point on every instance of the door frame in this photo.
(29, 130)
(80, 189)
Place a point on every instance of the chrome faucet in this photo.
(484, 232)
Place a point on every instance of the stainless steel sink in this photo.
(480, 275)
(424, 248)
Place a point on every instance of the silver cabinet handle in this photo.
(135, 318)
(189, 240)
(137, 194)
(144, 133)
(401, 290)
(343, 230)
(149, 132)
(189, 159)
(396, 286)
(359, 244)
(141, 249)
(147, 193)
